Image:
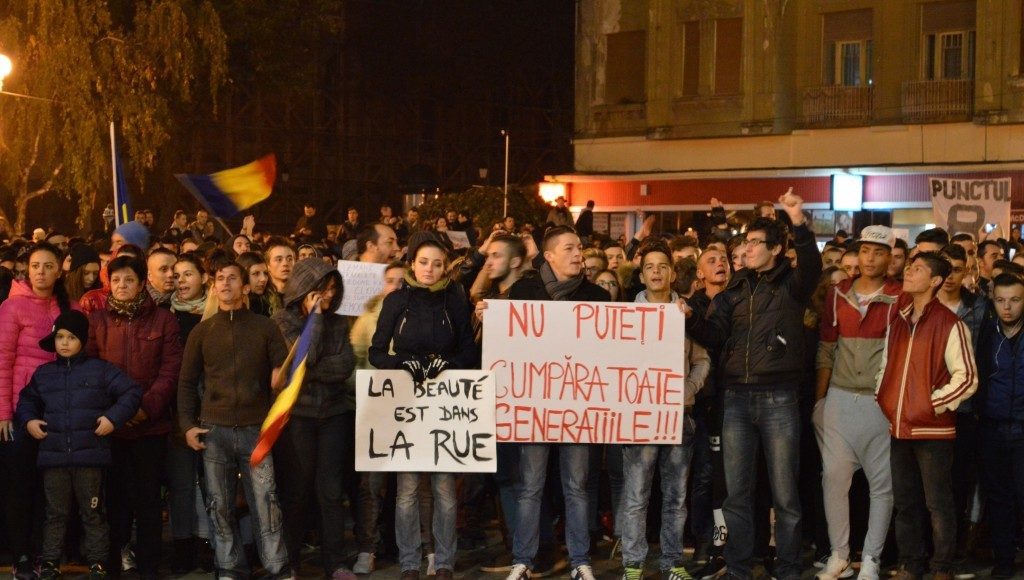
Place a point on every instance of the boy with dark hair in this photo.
(238, 354)
(927, 371)
(639, 461)
(69, 406)
(932, 240)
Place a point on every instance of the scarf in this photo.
(126, 308)
(559, 290)
(158, 296)
(435, 287)
(194, 306)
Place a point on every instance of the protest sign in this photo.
(967, 205)
(445, 424)
(362, 281)
(586, 372)
(459, 239)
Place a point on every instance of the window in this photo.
(847, 43)
(626, 67)
(728, 56)
(691, 58)
(948, 38)
(949, 55)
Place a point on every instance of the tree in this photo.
(138, 64)
(484, 206)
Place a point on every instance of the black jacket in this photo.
(70, 394)
(417, 324)
(531, 287)
(756, 324)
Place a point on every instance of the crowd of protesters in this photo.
(861, 402)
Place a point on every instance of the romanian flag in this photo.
(228, 192)
(122, 204)
(277, 418)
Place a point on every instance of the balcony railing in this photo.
(934, 101)
(838, 105)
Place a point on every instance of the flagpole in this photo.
(225, 226)
(113, 169)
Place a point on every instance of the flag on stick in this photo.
(280, 411)
(228, 192)
(122, 204)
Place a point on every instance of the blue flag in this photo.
(122, 203)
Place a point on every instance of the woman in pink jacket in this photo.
(26, 317)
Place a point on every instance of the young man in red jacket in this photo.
(928, 369)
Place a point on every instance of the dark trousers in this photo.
(63, 486)
(23, 505)
(923, 490)
(133, 492)
(966, 469)
(310, 459)
(1003, 480)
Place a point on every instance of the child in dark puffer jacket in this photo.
(71, 405)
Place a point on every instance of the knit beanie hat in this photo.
(74, 322)
(134, 233)
(82, 254)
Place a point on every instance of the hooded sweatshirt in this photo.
(330, 361)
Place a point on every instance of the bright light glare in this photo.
(549, 192)
(847, 192)
(5, 67)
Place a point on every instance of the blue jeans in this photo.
(638, 472)
(533, 466)
(752, 418)
(226, 455)
(407, 521)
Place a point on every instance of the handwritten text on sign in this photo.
(586, 372)
(362, 282)
(445, 424)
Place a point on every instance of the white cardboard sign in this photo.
(362, 282)
(586, 372)
(444, 425)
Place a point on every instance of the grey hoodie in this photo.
(330, 360)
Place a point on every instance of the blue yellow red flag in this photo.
(122, 203)
(280, 411)
(227, 192)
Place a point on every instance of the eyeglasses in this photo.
(609, 284)
(754, 242)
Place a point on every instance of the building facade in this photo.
(681, 100)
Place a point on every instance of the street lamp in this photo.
(5, 69)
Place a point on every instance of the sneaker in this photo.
(445, 574)
(868, 569)
(431, 571)
(632, 572)
(835, 568)
(582, 572)
(343, 573)
(519, 572)
(715, 568)
(127, 559)
(676, 573)
(500, 563)
(821, 562)
(410, 575)
(365, 563)
(96, 572)
(24, 569)
(49, 571)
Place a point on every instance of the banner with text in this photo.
(586, 372)
(967, 205)
(445, 424)
(362, 281)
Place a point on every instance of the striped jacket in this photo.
(851, 345)
(927, 370)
